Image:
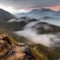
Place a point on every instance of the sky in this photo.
(25, 5)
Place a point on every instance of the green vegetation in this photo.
(40, 52)
(44, 53)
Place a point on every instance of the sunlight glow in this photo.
(54, 7)
(9, 9)
(12, 10)
(23, 11)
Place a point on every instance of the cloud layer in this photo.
(24, 4)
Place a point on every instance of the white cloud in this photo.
(43, 39)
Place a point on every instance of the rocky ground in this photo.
(13, 51)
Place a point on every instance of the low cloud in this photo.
(44, 39)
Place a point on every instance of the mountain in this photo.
(19, 23)
(18, 50)
(35, 31)
(42, 10)
(58, 13)
(22, 23)
(12, 50)
(33, 35)
(25, 23)
(5, 16)
(38, 13)
(40, 33)
(43, 27)
(21, 14)
(38, 51)
(32, 29)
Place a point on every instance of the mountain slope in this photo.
(28, 29)
(19, 23)
(42, 10)
(25, 23)
(43, 27)
(4, 15)
(46, 53)
(38, 13)
(39, 51)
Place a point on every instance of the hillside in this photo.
(39, 52)
(27, 39)
(25, 23)
(5, 16)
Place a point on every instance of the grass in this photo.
(40, 52)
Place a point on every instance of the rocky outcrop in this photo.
(13, 51)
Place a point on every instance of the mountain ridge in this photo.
(37, 13)
(4, 15)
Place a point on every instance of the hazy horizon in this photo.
(27, 5)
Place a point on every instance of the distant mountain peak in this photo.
(46, 9)
(42, 10)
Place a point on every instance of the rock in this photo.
(9, 51)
